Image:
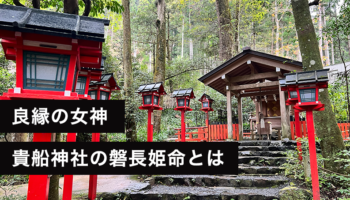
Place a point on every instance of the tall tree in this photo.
(128, 74)
(225, 29)
(319, 21)
(159, 74)
(325, 122)
(326, 49)
(236, 27)
(54, 179)
(278, 14)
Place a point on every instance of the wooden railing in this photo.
(344, 128)
(202, 134)
(218, 132)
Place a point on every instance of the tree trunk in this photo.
(189, 22)
(168, 43)
(272, 38)
(320, 31)
(277, 53)
(36, 4)
(325, 123)
(159, 74)
(225, 29)
(349, 44)
(326, 49)
(332, 47)
(150, 60)
(183, 30)
(84, 137)
(17, 137)
(71, 7)
(154, 57)
(128, 74)
(236, 27)
(254, 37)
(54, 179)
(281, 49)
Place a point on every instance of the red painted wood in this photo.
(11, 52)
(68, 179)
(70, 75)
(233, 132)
(183, 126)
(298, 134)
(93, 178)
(313, 156)
(49, 50)
(226, 132)
(38, 185)
(347, 131)
(19, 68)
(88, 78)
(304, 128)
(149, 128)
(89, 59)
(292, 130)
(237, 132)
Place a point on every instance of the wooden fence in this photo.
(344, 128)
(218, 132)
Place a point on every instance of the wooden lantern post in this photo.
(307, 85)
(183, 97)
(48, 56)
(150, 101)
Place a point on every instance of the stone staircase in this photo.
(260, 178)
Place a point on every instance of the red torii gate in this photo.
(48, 55)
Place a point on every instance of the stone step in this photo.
(221, 181)
(262, 153)
(201, 193)
(254, 143)
(265, 148)
(261, 160)
(260, 170)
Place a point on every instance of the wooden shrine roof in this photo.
(22, 19)
(251, 71)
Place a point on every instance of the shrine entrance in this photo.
(254, 75)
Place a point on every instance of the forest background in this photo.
(192, 49)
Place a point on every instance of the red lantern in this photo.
(49, 55)
(183, 97)
(102, 89)
(307, 85)
(207, 103)
(150, 101)
(83, 78)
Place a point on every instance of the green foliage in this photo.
(7, 79)
(337, 95)
(7, 185)
(330, 183)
